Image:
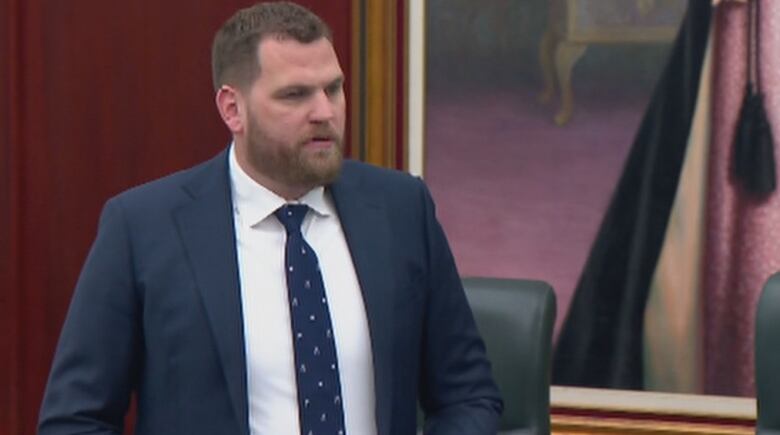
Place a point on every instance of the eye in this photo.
(295, 94)
(333, 89)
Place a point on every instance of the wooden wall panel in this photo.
(10, 215)
(95, 97)
(8, 332)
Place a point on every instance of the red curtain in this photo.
(741, 250)
(95, 97)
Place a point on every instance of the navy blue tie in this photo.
(320, 408)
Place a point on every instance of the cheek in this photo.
(341, 113)
(281, 123)
(291, 125)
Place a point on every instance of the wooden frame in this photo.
(592, 411)
(375, 82)
(387, 111)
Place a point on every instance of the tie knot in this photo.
(291, 216)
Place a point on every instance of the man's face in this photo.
(295, 113)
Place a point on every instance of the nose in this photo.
(323, 107)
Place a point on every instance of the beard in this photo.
(292, 164)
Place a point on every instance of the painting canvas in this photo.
(520, 193)
(626, 14)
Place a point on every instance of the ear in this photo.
(231, 108)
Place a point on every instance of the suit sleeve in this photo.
(96, 361)
(457, 392)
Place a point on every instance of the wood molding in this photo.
(374, 87)
(589, 411)
(631, 425)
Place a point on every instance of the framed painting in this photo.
(521, 194)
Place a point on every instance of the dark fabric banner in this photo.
(600, 344)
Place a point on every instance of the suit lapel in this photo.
(364, 222)
(208, 234)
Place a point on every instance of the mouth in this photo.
(320, 142)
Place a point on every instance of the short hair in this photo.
(234, 56)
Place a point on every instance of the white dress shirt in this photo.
(260, 242)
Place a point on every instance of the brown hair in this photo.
(234, 57)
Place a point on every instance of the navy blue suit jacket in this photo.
(157, 312)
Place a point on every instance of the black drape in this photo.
(600, 344)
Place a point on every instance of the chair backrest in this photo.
(515, 318)
(767, 358)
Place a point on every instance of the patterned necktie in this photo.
(319, 391)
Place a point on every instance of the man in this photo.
(273, 289)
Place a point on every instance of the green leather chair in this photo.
(515, 318)
(767, 358)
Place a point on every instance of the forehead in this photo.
(287, 61)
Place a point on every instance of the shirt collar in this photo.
(254, 202)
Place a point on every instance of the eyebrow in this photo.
(305, 89)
